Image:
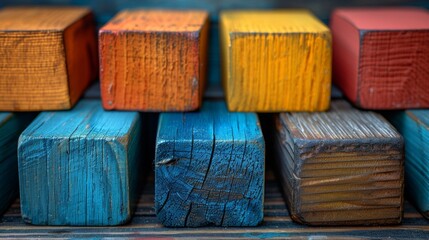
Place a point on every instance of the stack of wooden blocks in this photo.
(340, 164)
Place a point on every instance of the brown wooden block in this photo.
(381, 56)
(154, 60)
(342, 167)
(48, 57)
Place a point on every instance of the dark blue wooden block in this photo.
(11, 125)
(79, 167)
(209, 168)
(414, 126)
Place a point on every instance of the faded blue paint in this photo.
(11, 125)
(414, 126)
(209, 168)
(79, 167)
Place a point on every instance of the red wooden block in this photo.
(381, 56)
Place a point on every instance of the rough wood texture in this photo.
(209, 168)
(11, 126)
(154, 60)
(381, 56)
(342, 167)
(105, 10)
(277, 224)
(275, 61)
(79, 167)
(414, 126)
(49, 57)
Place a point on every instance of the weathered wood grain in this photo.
(154, 60)
(414, 127)
(275, 61)
(79, 167)
(104, 11)
(49, 56)
(209, 168)
(342, 167)
(277, 224)
(11, 126)
(381, 56)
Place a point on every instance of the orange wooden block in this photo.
(48, 57)
(153, 60)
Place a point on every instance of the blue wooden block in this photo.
(11, 125)
(79, 167)
(209, 168)
(414, 126)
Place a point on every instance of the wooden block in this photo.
(49, 56)
(414, 127)
(381, 56)
(275, 61)
(342, 167)
(154, 60)
(79, 167)
(11, 126)
(209, 168)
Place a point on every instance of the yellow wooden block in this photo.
(275, 61)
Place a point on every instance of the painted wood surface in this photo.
(49, 56)
(154, 60)
(277, 224)
(105, 10)
(380, 56)
(342, 167)
(11, 126)
(209, 168)
(414, 127)
(79, 167)
(275, 61)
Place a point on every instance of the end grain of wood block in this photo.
(79, 167)
(341, 167)
(275, 61)
(414, 126)
(381, 56)
(209, 168)
(49, 57)
(11, 126)
(154, 60)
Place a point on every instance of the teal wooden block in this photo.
(11, 126)
(414, 126)
(209, 168)
(79, 167)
